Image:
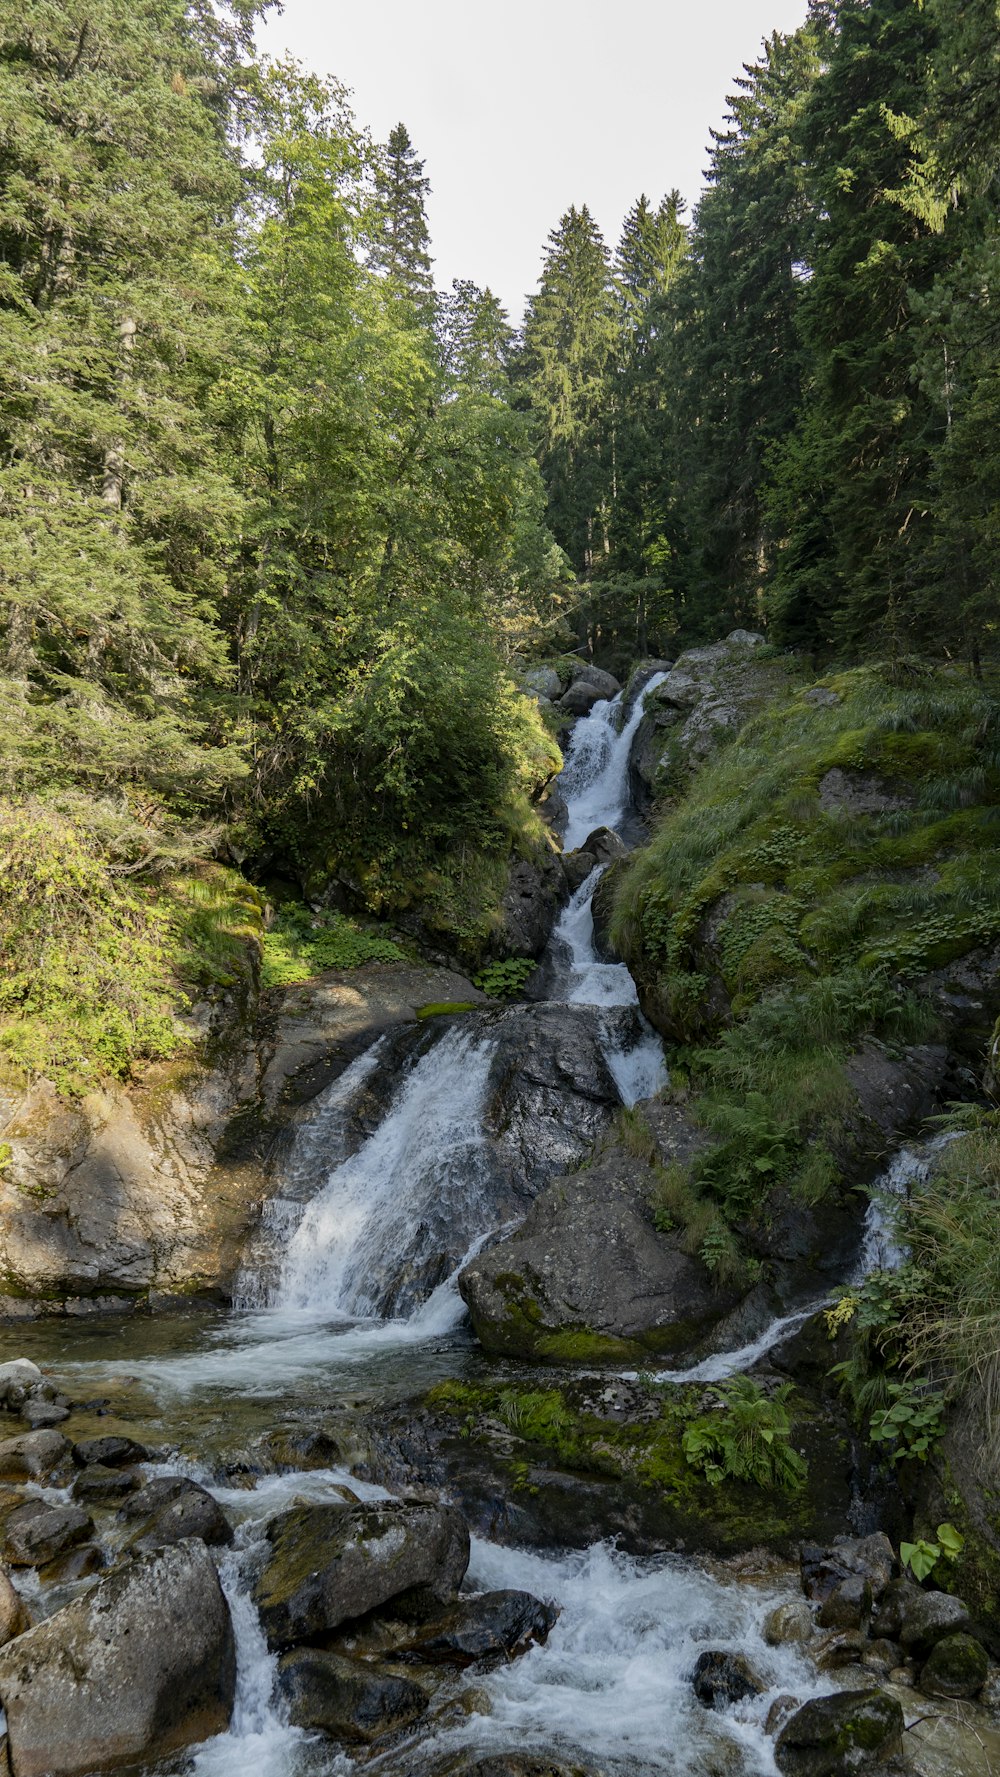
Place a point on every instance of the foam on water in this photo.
(594, 779)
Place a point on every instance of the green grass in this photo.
(301, 944)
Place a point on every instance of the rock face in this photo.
(329, 1564)
(139, 1667)
(838, 1736)
(587, 1274)
(346, 1699)
(536, 889)
(707, 694)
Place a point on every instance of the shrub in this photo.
(745, 1437)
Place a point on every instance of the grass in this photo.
(301, 944)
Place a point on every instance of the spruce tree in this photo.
(401, 245)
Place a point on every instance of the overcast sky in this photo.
(523, 109)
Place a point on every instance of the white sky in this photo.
(521, 110)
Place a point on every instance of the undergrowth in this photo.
(301, 943)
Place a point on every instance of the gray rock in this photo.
(40, 1412)
(541, 681)
(928, 1617)
(105, 1486)
(957, 1666)
(580, 699)
(329, 1564)
(75, 1564)
(33, 1456)
(37, 1532)
(721, 1678)
(848, 1606)
(531, 901)
(18, 1379)
(860, 792)
(494, 1626)
(346, 1698)
(840, 1736)
(604, 683)
(170, 1509)
(142, 1665)
(511, 1764)
(109, 1452)
(587, 1273)
(789, 1622)
(14, 1618)
(898, 1598)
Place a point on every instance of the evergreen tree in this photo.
(401, 244)
(476, 338)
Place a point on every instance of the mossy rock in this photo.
(955, 1667)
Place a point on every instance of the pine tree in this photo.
(476, 338)
(401, 245)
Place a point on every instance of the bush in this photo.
(300, 944)
(744, 1437)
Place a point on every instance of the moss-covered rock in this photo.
(837, 1736)
(955, 1667)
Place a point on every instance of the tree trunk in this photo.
(114, 458)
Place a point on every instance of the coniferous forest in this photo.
(499, 927)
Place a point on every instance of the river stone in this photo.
(509, 1764)
(840, 1736)
(720, 1678)
(956, 1666)
(171, 1508)
(497, 1625)
(32, 1456)
(848, 1606)
(329, 1564)
(37, 1532)
(105, 1486)
(17, 1380)
(76, 1564)
(928, 1617)
(109, 1452)
(788, 1622)
(896, 1601)
(352, 1701)
(14, 1618)
(541, 681)
(604, 683)
(40, 1412)
(580, 699)
(142, 1665)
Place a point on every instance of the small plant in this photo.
(923, 1556)
(504, 980)
(913, 1420)
(301, 943)
(745, 1437)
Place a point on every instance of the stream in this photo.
(348, 1300)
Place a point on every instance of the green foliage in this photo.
(504, 980)
(912, 1422)
(745, 1437)
(301, 943)
(922, 1556)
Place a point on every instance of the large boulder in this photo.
(36, 1532)
(541, 682)
(494, 1626)
(580, 699)
(32, 1457)
(346, 1698)
(605, 684)
(839, 1736)
(706, 695)
(957, 1666)
(141, 1666)
(171, 1508)
(328, 1564)
(588, 1275)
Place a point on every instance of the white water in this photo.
(594, 779)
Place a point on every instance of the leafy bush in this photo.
(922, 1556)
(300, 944)
(504, 980)
(745, 1437)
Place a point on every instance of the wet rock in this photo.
(848, 1606)
(899, 1597)
(18, 1379)
(844, 1647)
(33, 1456)
(721, 1678)
(928, 1617)
(14, 1618)
(345, 1698)
(957, 1666)
(789, 1622)
(580, 699)
(40, 1412)
(142, 1665)
(881, 1656)
(839, 1736)
(171, 1508)
(529, 907)
(36, 1532)
(496, 1625)
(509, 1765)
(989, 1696)
(868, 1558)
(110, 1452)
(328, 1564)
(76, 1564)
(105, 1486)
(550, 1093)
(781, 1710)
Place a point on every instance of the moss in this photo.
(582, 1345)
(446, 1008)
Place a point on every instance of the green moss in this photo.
(446, 1008)
(583, 1346)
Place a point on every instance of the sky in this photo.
(520, 110)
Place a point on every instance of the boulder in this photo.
(897, 1600)
(605, 684)
(510, 1764)
(494, 1626)
(346, 1698)
(868, 1558)
(328, 1564)
(706, 696)
(928, 1617)
(14, 1618)
(580, 699)
(957, 1666)
(105, 1486)
(111, 1452)
(789, 1622)
(171, 1508)
(541, 681)
(840, 1736)
(37, 1532)
(529, 908)
(588, 1274)
(142, 1665)
(550, 1093)
(41, 1412)
(76, 1564)
(33, 1456)
(17, 1380)
(848, 1606)
(721, 1678)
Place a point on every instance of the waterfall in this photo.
(594, 779)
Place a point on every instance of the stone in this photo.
(530, 904)
(928, 1617)
(848, 1606)
(720, 1678)
(899, 1597)
(780, 1711)
(842, 1647)
(604, 683)
(41, 1413)
(328, 1564)
(881, 1655)
(869, 1559)
(496, 1625)
(957, 1666)
(33, 1456)
(580, 699)
(109, 1452)
(17, 1380)
(37, 1532)
(105, 1486)
(541, 681)
(860, 792)
(841, 1735)
(789, 1622)
(989, 1696)
(141, 1666)
(346, 1698)
(75, 1564)
(510, 1764)
(172, 1508)
(14, 1618)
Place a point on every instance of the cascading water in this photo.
(594, 779)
